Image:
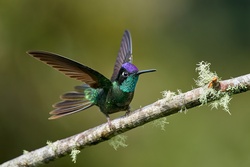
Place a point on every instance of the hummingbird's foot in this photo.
(110, 124)
(128, 112)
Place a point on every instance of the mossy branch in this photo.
(168, 105)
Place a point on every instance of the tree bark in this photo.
(168, 105)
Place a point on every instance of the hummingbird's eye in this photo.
(125, 74)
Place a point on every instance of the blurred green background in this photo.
(171, 36)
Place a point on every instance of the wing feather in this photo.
(73, 69)
(124, 54)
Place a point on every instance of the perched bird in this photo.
(110, 96)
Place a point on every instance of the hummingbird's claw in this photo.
(128, 111)
(110, 124)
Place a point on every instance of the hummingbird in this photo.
(110, 95)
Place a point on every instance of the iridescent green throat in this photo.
(129, 84)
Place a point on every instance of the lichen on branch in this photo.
(171, 103)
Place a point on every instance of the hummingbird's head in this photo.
(128, 76)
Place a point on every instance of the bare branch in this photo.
(161, 108)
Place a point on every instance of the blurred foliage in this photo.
(171, 36)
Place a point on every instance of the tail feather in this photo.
(73, 96)
(69, 103)
(72, 102)
(66, 110)
(81, 88)
(60, 112)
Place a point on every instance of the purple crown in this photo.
(130, 67)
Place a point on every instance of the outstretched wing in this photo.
(73, 69)
(124, 55)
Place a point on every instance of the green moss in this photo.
(118, 141)
(168, 95)
(183, 110)
(204, 74)
(208, 94)
(218, 98)
(222, 102)
(49, 143)
(236, 89)
(74, 154)
(25, 152)
(160, 123)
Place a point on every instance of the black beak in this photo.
(145, 71)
